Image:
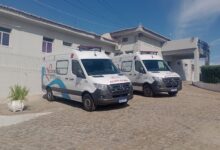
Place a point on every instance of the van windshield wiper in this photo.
(98, 76)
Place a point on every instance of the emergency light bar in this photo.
(149, 52)
(89, 48)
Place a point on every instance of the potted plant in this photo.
(17, 97)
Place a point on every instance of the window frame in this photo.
(47, 41)
(127, 62)
(124, 40)
(135, 66)
(6, 32)
(67, 44)
(77, 61)
(62, 67)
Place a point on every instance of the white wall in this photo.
(139, 43)
(183, 68)
(20, 63)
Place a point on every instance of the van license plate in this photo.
(173, 90)
(123, 100)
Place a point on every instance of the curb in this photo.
(208, 86)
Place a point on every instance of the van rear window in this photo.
(62, 67)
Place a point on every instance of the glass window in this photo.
(138, 66)
(126, 66)
(156, 65)
(5, 39)
(62, 67)
(99, 66)
(125, 40)
(47, 45)
(0, 38)
(76, 69)
(4, 36)
(67, 44)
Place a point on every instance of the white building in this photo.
(25, 39)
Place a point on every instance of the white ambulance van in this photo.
(148, 73)
(86, 76)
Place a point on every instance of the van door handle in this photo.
(66, 78)
(71, 79)
(130, 74)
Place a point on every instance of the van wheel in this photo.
(148, 92)
(172, 93)
(50, 96)
(88, 103)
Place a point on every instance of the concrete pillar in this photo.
(196, 66)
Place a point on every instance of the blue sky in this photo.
(172, 18)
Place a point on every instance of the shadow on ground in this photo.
(79, 105)
(161, 95)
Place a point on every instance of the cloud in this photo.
(215, 49)
(215, 42)
(195, 16)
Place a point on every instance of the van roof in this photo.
(149, 57)
(90, 54)
(79, 55)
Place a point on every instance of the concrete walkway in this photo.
(11, 120)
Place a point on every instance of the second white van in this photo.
(149, 73)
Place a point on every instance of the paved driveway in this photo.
(190, 120)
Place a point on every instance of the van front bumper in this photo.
(159, 87)
(106, 97)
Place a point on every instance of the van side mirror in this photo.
(80, 74)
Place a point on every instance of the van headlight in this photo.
(101, 86)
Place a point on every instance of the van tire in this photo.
(50, 96)
(88, 103)
(148, 92)
(172, 93)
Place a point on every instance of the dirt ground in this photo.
(191, 121)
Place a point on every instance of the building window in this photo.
(4, 36)
(67, 44)
(62, 67)
(126, 66)
(47, 45)
(125, 40)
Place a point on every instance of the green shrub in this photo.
(18, 93)
(210, 74)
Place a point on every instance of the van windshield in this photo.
(99, 66)
(156, 65)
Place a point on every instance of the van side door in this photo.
(78, 80)
(138, 75)
(60, 86)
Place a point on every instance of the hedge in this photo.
(210, 74)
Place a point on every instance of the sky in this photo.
(174, 19)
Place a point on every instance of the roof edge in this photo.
(58, 24)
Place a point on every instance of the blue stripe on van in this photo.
(55, 82)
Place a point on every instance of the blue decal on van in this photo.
(55, 82)
(61, 85)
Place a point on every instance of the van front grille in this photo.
(171, 82)
(119, 90)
